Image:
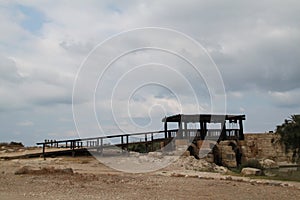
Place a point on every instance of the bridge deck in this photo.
(150, 140)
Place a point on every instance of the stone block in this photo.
(248, 171)
(181, 142)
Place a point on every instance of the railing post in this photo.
(127, 141)
(152, 142)
(166, 128)
(101, 148)
(122, 142)
(146, 143)
(44, 144)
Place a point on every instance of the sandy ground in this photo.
(93, 180)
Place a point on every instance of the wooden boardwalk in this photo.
(150, 141)
(99, 144)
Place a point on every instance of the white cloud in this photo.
(287, 98)
(254, 44)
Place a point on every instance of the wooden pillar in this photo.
(180, 135)
(101, 147)
(146, 143)
(241, 131)
(44, 146)
(205, 128)
(166, 128)
(127, 141)
(223, 131)
(187, 135)
(122, 142)
(202, 131)
(152, 142)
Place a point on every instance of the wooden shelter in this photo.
(208, 126)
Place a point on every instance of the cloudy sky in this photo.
(44, 48)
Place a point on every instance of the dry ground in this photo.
(92, 180)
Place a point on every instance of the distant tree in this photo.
(289, 133)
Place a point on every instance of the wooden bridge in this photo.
(152, 141)
(124, 142)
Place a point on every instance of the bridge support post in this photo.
(166, 128)
(101, 146)
(127, 141)
(146, 143)
(122, 143)
(152, 142)
(44, 146)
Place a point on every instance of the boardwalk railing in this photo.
(99, 143)
(125, 140)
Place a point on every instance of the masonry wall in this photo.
(264, 145)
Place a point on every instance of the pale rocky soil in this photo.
(93, 180)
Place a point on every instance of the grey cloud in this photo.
(9, 71)
(287, 99)
(255, 45)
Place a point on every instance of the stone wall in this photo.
(254, 146)
(227, 153)
(264, 145)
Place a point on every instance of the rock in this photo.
(45, 170)
(269, 164)
(210, 158)
(143, 159)
(186, 154)
(134, 154)
(220, 169)
(66, 171)
(269, 173)
(23, 170)
(229, 178)
(155, 154)
(248, 171)
(10, 150)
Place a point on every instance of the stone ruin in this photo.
(259, 146)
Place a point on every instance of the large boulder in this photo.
(44, 170)
(269, 164)
(248, 171)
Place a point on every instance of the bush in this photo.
(16, 144)
(12, 144)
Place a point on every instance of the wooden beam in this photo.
(166, 128)
(241, 131)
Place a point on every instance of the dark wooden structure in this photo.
(98, 144)
(229, 127)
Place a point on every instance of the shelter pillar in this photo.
(166, 128)
(241, 131)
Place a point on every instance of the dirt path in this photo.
(133, 187)
(96, 181)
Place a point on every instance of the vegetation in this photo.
(141, 148)
(11, 144)
(289, 133)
